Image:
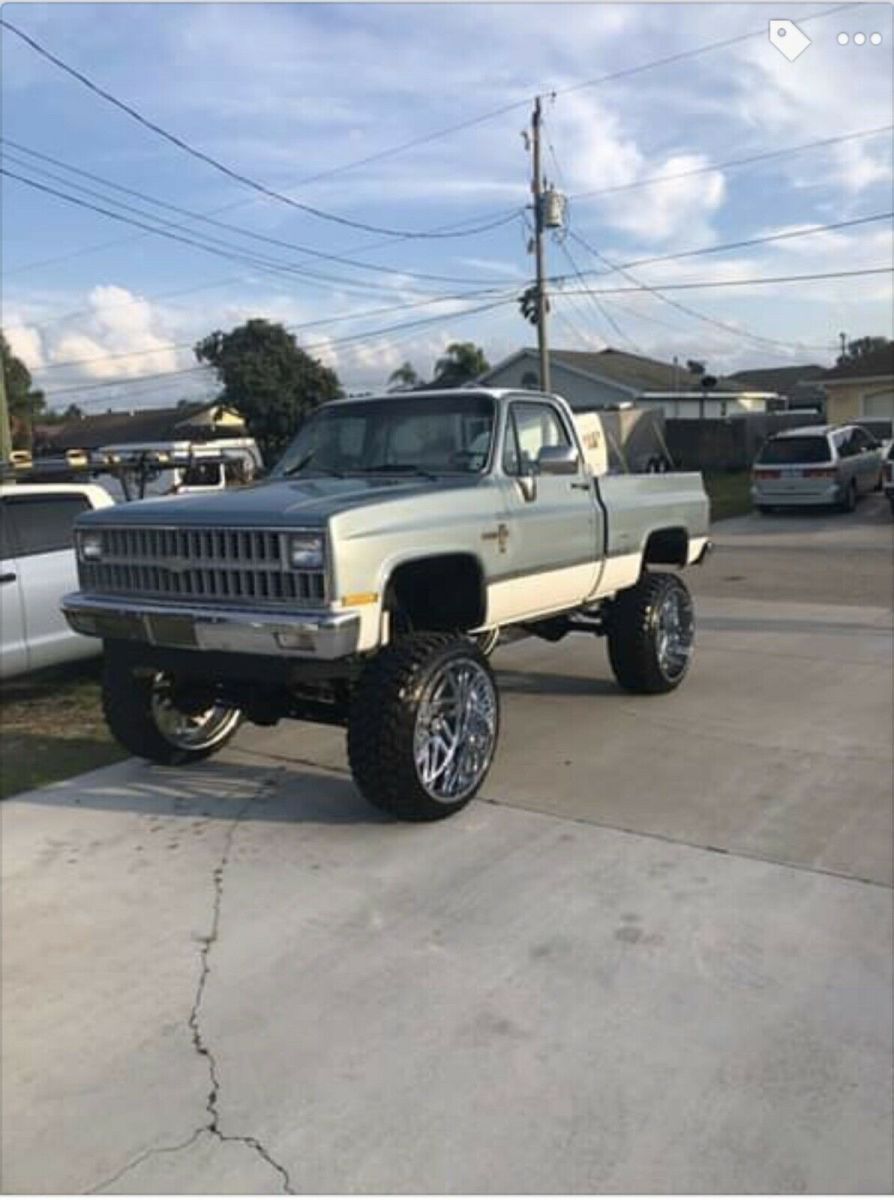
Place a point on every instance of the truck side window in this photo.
(511, 460)
(532, 426)
(44, 523)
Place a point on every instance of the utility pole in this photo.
(537, 192)
(5, 434)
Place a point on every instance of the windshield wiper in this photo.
(395, 469)
(303, 463)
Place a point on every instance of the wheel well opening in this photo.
(667, 547)
(441, 593)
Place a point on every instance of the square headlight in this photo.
(306, 551)
(90, 545)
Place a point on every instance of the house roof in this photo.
(141, 425)
(879, 362)
(633, 372)
(778, 379)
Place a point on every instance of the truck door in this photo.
(47, 571)
(549, 542)
(13, 647)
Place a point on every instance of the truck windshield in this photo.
(442, 435)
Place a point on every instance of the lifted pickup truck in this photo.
(365, 582)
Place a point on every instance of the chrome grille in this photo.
(205, 566)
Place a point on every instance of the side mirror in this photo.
(558, 460)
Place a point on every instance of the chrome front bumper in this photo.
(316, 635)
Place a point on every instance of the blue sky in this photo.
(284, 92)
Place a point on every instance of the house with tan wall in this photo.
(861, 390)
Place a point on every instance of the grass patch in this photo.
(52, 727)
(729, 493)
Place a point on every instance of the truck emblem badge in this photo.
(500, 535)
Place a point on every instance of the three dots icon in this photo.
(860, 39)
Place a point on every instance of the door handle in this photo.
(580, 487)
(8, 577)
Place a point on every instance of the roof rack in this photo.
(133, 469)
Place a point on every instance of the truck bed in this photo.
(638, 504)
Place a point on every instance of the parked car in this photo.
(816, 465)
(365, 582)
(888, 474)
(37, 568)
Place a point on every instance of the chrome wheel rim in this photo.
(456, 730)
(675, 634)
(190, 731)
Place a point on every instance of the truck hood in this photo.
(287, 502)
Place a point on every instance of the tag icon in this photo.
(788, 39)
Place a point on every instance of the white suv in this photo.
(37, 568)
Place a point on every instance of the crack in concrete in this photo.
(141, 1158)
(200, 1045)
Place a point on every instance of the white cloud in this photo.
(118, 338)
(601, 153)
(25, 343)
(679, 208)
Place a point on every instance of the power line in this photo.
(688, 285)
(396, 149)
(744, 243)
(623, 270)
(202, 156)
(329, 343)
(294, 328)
(722, 283)
(759, 339)
(655, 180)
(210, 245)
(597, 304)
(651, 181)
(581, 337)
(101, 308)
(262, 189)
(684, 55)
(293, 268)
(250, 233)
(237, 229)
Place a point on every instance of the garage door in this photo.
(879, 405)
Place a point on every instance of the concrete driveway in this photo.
(656, 957)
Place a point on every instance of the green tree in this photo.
(463, 362)
(406, 376)
(25, 404)
(269, 379)
(863, 348)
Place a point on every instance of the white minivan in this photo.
(37, 568)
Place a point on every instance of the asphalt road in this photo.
(655, 957)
